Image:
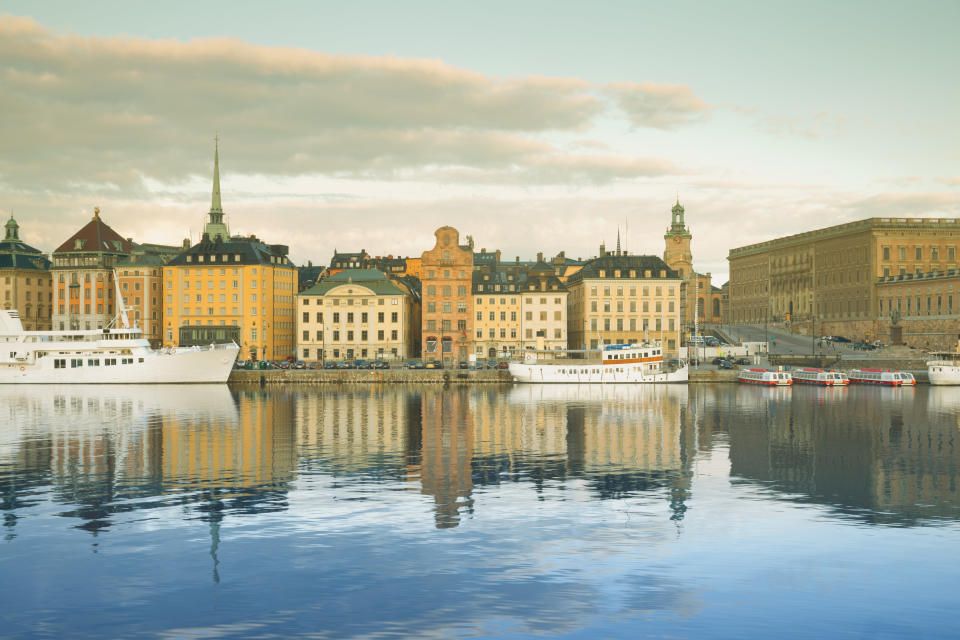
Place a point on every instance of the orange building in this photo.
(447, 307)
(84, 286)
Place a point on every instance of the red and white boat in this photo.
(883, 377)
(764, 377)
(820, 377)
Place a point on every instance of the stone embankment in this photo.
(366, 376)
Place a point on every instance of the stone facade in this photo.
(920, 310)
(700, 301)
(447, 307)
(826, 281)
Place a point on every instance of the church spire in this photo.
(215, 206)
(618, 240)
(216, 227)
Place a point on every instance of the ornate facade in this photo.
(25, 282)
(447, 308)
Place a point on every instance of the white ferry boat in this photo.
(883, 377)
(944, 368)
(820, 377)
(619, 363)
(764, 377)
(99, 356)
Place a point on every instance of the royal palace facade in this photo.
(828, 281)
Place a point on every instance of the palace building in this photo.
(827, 281)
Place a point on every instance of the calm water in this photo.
(579, 512)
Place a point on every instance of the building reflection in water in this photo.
(880, 455)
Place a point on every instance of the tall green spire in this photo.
(216, 227)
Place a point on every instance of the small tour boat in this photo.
(821, 377)
(619, 363)
(764, 377)
(883, 377)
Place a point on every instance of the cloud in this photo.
(107, 111)
(811, 126)
(661, 106)
(931, 204)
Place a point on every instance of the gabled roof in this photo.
(95, 237)
(373, 279)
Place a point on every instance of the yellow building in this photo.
(25, 282)
(621, 299)
(825, 281)
(232, 281)
(140, 276)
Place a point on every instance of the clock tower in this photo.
(676, 251)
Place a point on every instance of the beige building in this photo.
(544, 309)
(497, 309)
(84, 287)
(447, 308)
(826, 281)
(616, 299)
(355, 314)
(25, 282)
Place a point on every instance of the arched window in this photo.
(716, 307)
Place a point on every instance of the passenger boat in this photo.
(883, 377)
(944, 368)
(765, 377)
(619, 363)
(112, 355)
(820, 377)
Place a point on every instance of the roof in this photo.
(372, 279)
(32, 262)
(250, 250)
(95, 237)
(611, 264)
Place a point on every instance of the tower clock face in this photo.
(677, 239)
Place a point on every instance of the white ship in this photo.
(619, 363)
(765, 377)
(944, 367)
(99, 356)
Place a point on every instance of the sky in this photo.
(534, 126)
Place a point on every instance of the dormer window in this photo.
(78, 243)
(199, 258)
(603, 273)
(189, 258)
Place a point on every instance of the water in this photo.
(561, 511)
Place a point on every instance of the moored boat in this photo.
(883, 377)
(764, 377)
(944, 368)
(619, 363)
(103, 356)
(820, 377)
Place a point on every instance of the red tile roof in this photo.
(96, 236)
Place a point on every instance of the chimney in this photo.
(603, 250)
(539, 256)
(498, 256)
(185, 244)
(518, 259)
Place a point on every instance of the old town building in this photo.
(83, 279)
(497, 313)
(826, 281)
(543, 306)
(231, 288)
(620, 298)
(356, 313)
(140, 276)
(25, 282)
(447, 308)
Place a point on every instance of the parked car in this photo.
(463, 364)
(433, 364)
(503, 365)
(363, 364)
(491, 364)
(415, 364)
(343, 364)
(743, 361)
(380, 364)
(726, 364)
(329, 365)
(840, 339)
(299, 364)
(717, 360)
(711, 341)
(693, 362)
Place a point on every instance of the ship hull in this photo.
(591, 374)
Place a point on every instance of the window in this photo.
(919, 252)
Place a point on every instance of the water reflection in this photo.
(465, 511)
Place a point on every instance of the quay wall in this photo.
(365, 376)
